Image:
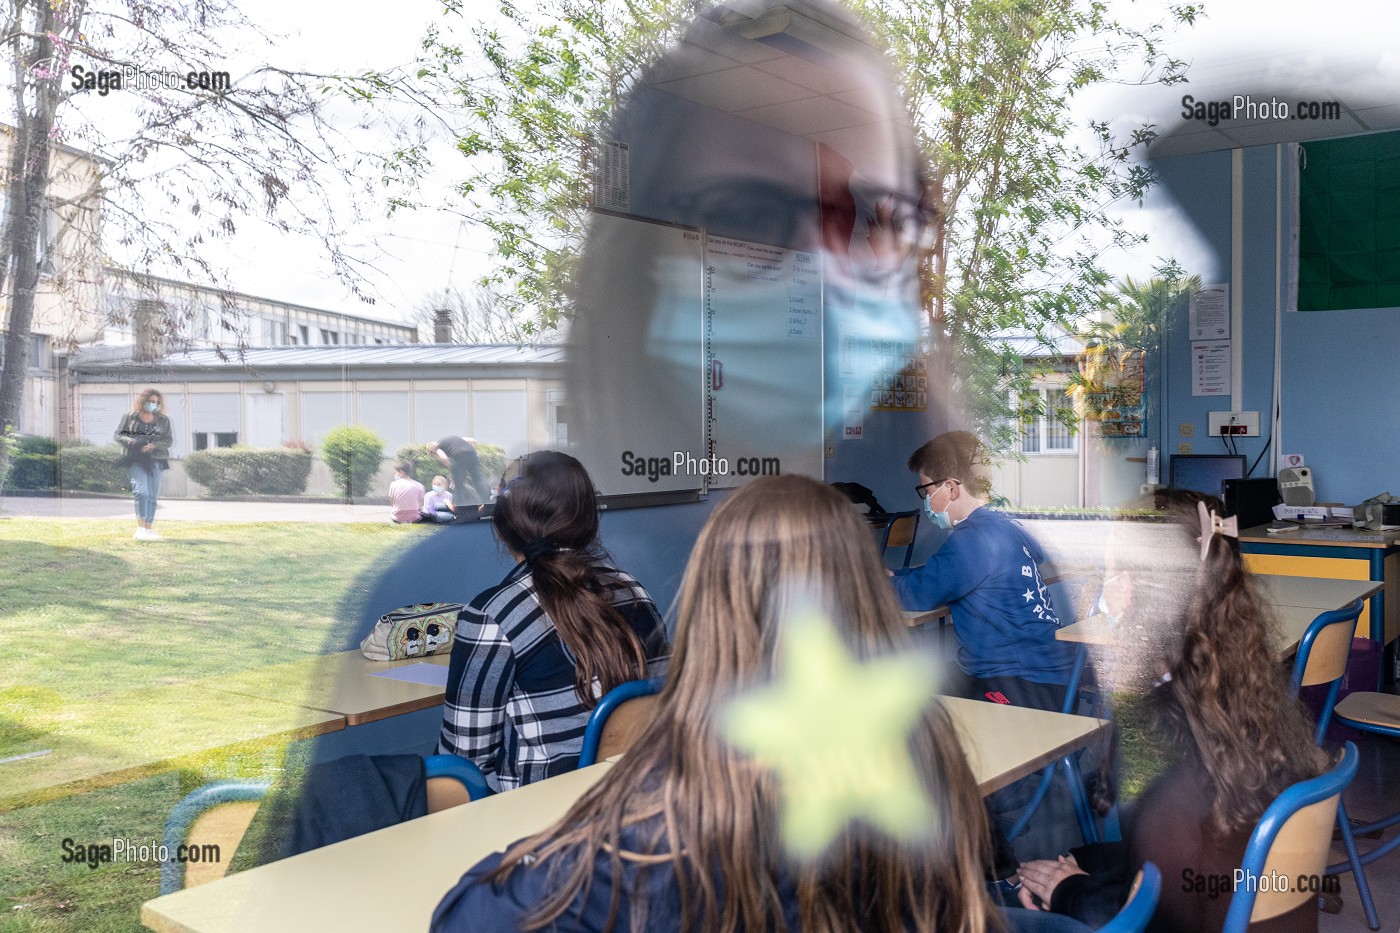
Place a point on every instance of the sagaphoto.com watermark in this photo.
(132, 78)
(1246, 107)
(96, 854)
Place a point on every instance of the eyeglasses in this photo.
(923, 491)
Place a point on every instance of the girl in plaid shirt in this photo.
(534, 653)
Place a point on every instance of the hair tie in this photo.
(539, 548)
(1212, 525)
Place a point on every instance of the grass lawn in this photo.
(101, 638)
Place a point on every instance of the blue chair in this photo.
(1379, 714)
(220, 813)
(1293, 838)
(451, 778)
(620, 716)
(1322, 658)
(900, 531)
(1142, 903)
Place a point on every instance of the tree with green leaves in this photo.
(990, 84)
(124, 139)
(1028, 210)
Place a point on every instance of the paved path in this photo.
(194, 510)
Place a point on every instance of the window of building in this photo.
(274, 332)
(38, 353)
(206, 440)
(1047, 432)
(305, 333)
(47, 245)
(329, 337)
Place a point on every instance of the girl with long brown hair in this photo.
(683, 833)
(1223, 706)
(533, 654)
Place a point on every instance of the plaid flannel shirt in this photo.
(511, 705)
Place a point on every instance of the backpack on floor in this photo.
(412, 632)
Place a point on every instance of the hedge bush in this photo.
(425, 465)
(353, 455)
(33, 463)
(32, 471)
(92, 469)
(239, 471)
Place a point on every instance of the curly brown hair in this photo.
(1227, 701)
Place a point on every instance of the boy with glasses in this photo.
(988, 574)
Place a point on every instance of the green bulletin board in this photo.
(1349, 223)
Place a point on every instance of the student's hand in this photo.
(1042, 876)
(889, 572)
(148, 448)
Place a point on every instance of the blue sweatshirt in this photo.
(988, 575)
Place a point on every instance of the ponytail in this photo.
(547, 514)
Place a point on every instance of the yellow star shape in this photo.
(836, 732)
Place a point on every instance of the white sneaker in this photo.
(140, 534)
(153, 535)
(146, 534)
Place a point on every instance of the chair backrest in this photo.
(1071, 592)
(618, 720)
(453, 780)
(1322, 657)
(1142, 903)
(216, 814)
(1293, 838)
(900, 531)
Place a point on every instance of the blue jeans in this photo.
(1020, 920)
(145, 486)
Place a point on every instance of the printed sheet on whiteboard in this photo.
(763, 307)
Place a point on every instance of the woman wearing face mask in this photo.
(437, 504)
(988, 574)
(145, 435)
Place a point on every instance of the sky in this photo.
(1340, 47)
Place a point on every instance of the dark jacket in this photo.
(1170, 828)
(133, 434)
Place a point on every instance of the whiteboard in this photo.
(763, 329)
(636, 355)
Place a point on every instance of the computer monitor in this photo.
(1205, 473)
(1252, 501)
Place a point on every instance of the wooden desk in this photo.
(341, 683)
(1292, 622)
(1006, 743)
(1339, 554)
(147, 732)
(393, 879)
(1315, 592)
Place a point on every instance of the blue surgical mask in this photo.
(939, 519)
(152, 407)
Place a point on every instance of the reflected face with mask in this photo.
(843, 189)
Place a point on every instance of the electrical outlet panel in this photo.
(1183, 448)
(1186, 429)
(1238, 423)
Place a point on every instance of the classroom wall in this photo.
(1339, 377)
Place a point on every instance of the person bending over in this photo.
(988, 574)
(459, 455)
(533, 654)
